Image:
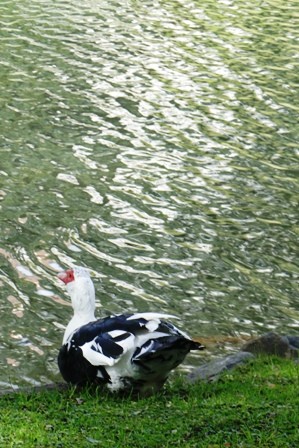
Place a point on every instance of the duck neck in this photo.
(78, 319)
(83, 302)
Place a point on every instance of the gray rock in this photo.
(272, 344)
(293, 341)
(212, 370)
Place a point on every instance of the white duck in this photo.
(128, 351)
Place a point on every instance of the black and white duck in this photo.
(128, 351)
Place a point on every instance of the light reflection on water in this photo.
(155, 144)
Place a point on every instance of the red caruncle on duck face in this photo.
(67, 276)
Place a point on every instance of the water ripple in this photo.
(156, 144)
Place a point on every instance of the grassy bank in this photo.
(256, 405)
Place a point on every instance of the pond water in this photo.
(155, 143)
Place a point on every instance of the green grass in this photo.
(256, 405)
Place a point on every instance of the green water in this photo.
(155, 143)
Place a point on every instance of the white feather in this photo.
(96, 358)
(143, 338)
(152, 325)
(116, 333)
(151, 316)
(127, 343)
(144, 350)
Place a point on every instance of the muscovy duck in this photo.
(133, 352)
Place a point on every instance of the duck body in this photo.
(133, 352)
